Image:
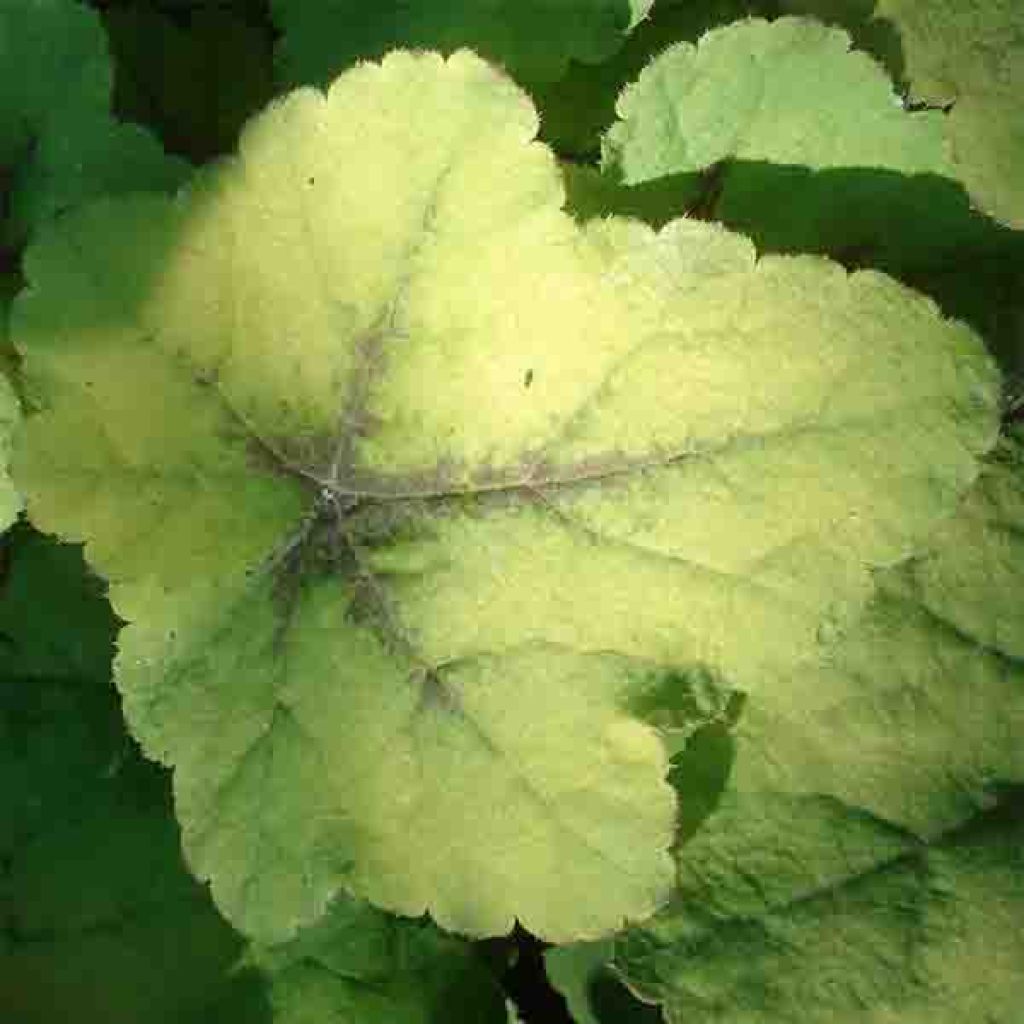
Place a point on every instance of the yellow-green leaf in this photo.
(405, 484)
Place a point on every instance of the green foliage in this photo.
(439, 541)
(743, 93)
(533, 39)
(577, 108)
(966, 58)
(510, 505)
(862, 812)
(816, 151)
(59, 144)
(906, 936)
(358, 966)
(101, 920)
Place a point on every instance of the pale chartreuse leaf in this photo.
(973, 575)
(876, 36)
(968, 58)
(407, 487)
(856, 810)
(533, 40)
(811, 147)
(361, 966)
(790, 91)
(976, 63)
(578, 107)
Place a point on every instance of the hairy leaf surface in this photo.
(194, 84)
(929, 932)
(789, 91)
(405, 484)
(853, 865)
(579, 106)
(803, 143)
(972, 57)
(967, 58)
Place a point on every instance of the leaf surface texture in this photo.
(966, 58)
(863, 861)
(405, 484)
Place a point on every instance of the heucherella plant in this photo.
(491, 541)
(393, 493)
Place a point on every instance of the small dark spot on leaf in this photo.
(528, 378)
(312, 181)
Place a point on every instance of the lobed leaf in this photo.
(88, 157)
(801, 142)
(58, 142)
(407, 486)
(359, 966)
(579, 106)
(52, 57)
(790, 91)
(854, 867)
